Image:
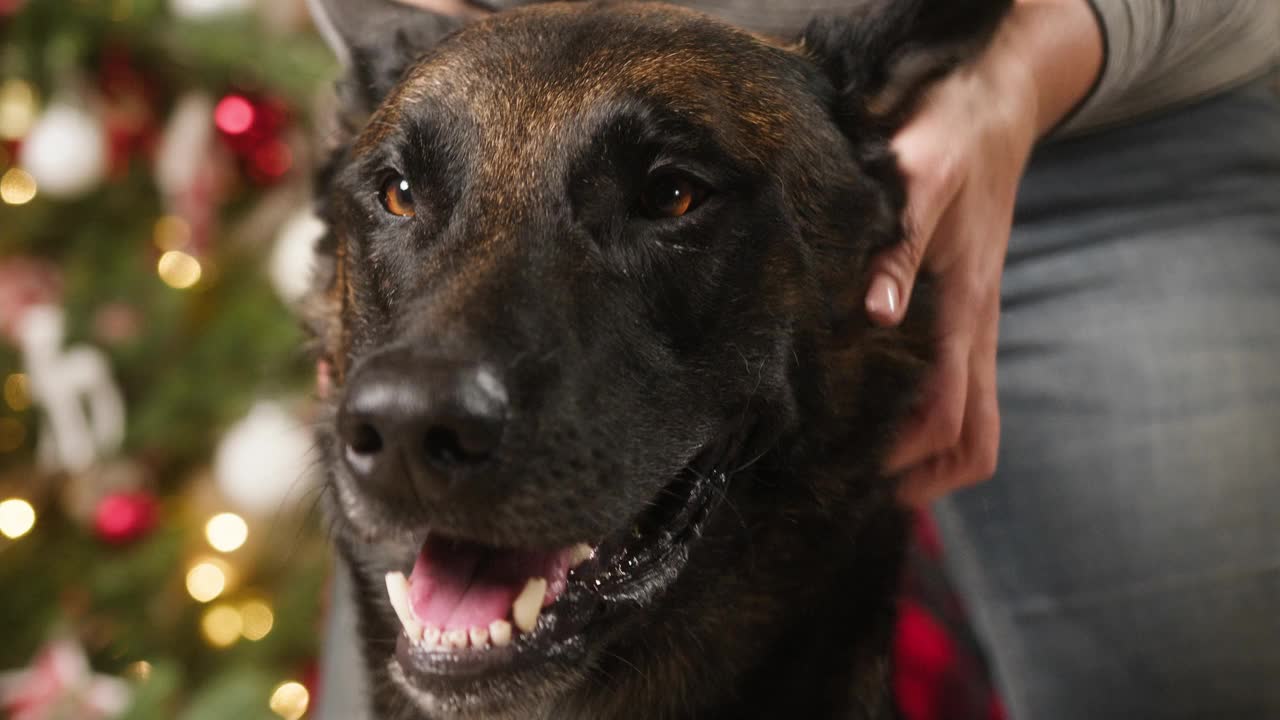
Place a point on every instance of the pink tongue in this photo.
(459, 585)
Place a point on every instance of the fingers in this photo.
(972, 458)
(932, 181)
(937, 424)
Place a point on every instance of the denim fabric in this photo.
(1125, 560)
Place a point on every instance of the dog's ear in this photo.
(880, 57)
(375, 41)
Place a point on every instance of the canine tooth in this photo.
(528, 606)
(479, 636)
(500, 633)
(398, 594)
(580, 553)
(454, 639)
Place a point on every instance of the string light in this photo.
(17, 517)
(221, 625)
(140, 670)
(171, 233)
(178, 270)
(257, 620)
(206, 580)
(17, 109)
(290, 700)
(226, 532)
(17, 187)
(12, 434)
(17, 392)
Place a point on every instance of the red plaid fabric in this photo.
(940, 672)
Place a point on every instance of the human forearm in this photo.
(1166, 52)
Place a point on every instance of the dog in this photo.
(606, 415)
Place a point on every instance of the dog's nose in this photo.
(408, 419)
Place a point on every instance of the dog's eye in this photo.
(671, 195)
(396, 197)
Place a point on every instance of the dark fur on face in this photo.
(634, 350)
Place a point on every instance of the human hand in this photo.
(962, 155)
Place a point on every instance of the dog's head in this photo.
(592, 311)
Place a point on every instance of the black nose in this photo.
(427, 421)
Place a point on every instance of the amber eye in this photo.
(671, 195)
(396, 197)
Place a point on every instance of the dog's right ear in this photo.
(375, 41)
(881, 55)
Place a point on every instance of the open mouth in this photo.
(469, 610)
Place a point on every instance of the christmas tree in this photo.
(161, 554)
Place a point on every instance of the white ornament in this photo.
(205, 9)
(184, 144)
(83, 409)
(65, 151)
(263, 460)
(293, 259)
(60, 683)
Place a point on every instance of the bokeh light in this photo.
(226, 532)
(140, 671)
(258, 619)
(178, 270)
(290, 700)
(17, 392)
(221, 626)
(171, 233)
(233, 115)
(12, 434)
(206, 581)
(17, 187)
(17, 517)
(17, 109)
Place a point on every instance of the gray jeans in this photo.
(1125, 560)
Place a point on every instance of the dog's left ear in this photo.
(881, 57)
(375, 41)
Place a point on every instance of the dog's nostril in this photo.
(365, 439)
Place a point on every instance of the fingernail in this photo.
(882, 298)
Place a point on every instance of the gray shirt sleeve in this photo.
(1166, 52)
(1159, 53)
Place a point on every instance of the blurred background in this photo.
(161, 550)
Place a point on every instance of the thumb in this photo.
(893, 276)
(931, 184)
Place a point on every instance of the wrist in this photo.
(1058, 43)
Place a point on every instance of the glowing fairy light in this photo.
(17, 392)
(221, 625)
(178, 270)
(258, 620)
(226, 532)
(290, 700)
(206, 581)
(17, 187)
(17, 517)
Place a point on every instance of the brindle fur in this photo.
(627, 345)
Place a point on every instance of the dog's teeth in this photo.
(479, 636)
(398, 594)
(580, 553)
(454, 639)
(431, 637)
(528, 605)
(500, 633)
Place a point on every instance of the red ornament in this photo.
(58, 684)
(254, 127)
(24, 283)
(122, 518)
(129, 98)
